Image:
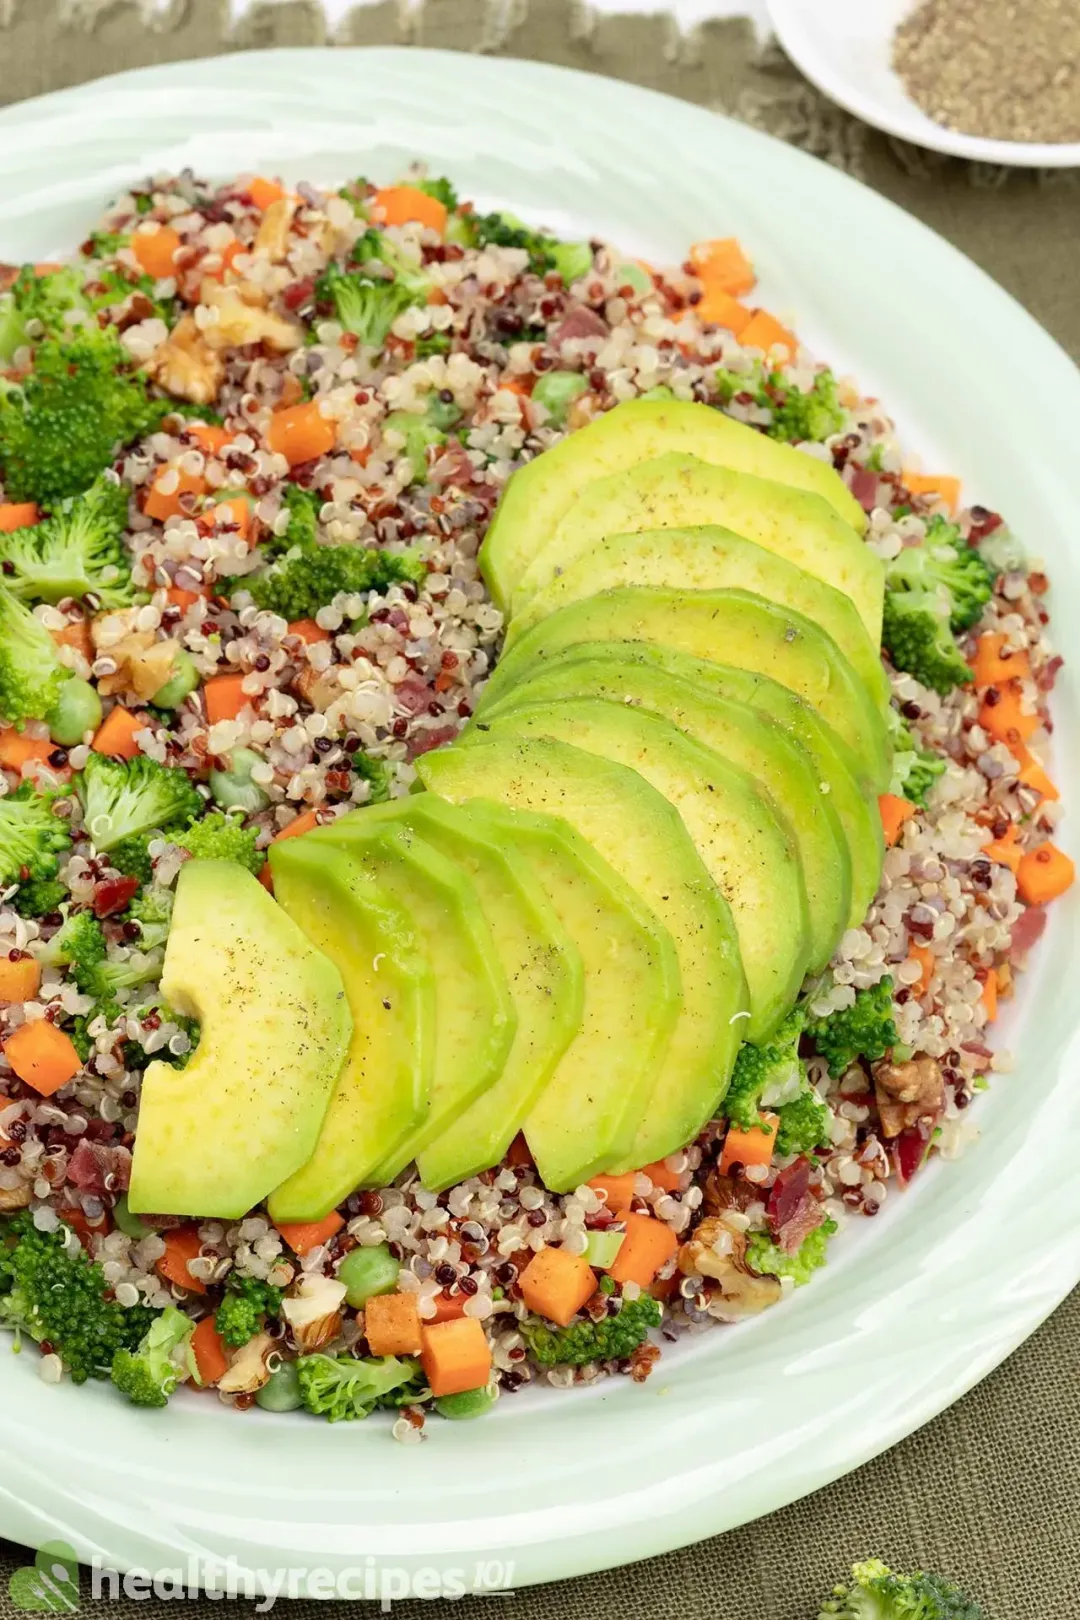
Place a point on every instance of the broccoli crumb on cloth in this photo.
(876, 1592)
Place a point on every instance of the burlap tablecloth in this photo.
(989, 1493)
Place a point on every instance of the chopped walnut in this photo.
(15, 1198)
(240, 322)
(143, 663)
(149, 671)
(908, 1092)
(248, 1370)
(272, 241)
(725, 1192)
(642, 1361)
(717, 1253)
(186, 365)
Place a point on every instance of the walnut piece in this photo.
(186, 365)
(738, 1291)
(15, 1197)
(908, 1092)
(248, 1370)
(272, 241)
(240, 322)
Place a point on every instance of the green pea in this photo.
(572, 260)
(184, 679)
(233, 788)
(76, 711)
(281, 1392)
(471, 1403)
(556, 392)
(132, 1226)
(366, 1272)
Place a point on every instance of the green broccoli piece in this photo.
(32, 837)
(421, 429)
(104, 244)
(36, 306)
(52, 1291)
(152, 909)
(79, 549)
(771, 1072)
(39, 897)
(441, 189)
(131, 856)
(876, 1593)
(916, 635)
(63, 424)
(504, 230)
(364, 305)
(31, 674)
(944, 563)
(432, 343)
(218, 837)
(766, 1258)
(125, 799)
(302, 506)
(915, 769)
(409, 275)
(613, 1338)
(343, 1388)
(298, 586)
(136, 1057)
(864, 1030)
(376, 772)
(244, 1309)
(804, 1125)
(799, 416)
(149, 1374)
(79, 945)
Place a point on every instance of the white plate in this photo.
(845, 48)
(915, 1307)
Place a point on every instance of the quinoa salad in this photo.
(252, 440)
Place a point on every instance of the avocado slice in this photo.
(475, 1018)
(677, 491)
(383, 1090)
(540, 960)
(732, 627)
(638, 833)
(837, 768)
(217, 1135)
(746, 844)
(709, 559)
(539, 493)
(745, 737)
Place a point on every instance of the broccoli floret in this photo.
(64, 423)
(131, 856)
(813, 416)
(441, 189)
(863, 1030)
(362, 305)
(915, 769)
(432, 343)
(916, 635)
(376, 772)
(944, 563)
(80, 548)
(123, 799)
(764, 1257)
(31, 674)
(35, 306)
(136, 1057)
(32, 837)
(375, 247)
(243, 1311)
(876, 1593)
(152, 910)
(218, 837)
(342, 1388)
(765, 1075)
(503, 230)
(54, 1292)
(79, 945)
(39, 897)
(149, 1374)
(298, 586)
(805, 1124)
(303, 531)
(613, 1338)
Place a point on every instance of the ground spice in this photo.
(1004, 69)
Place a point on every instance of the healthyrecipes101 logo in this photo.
(52, 1583)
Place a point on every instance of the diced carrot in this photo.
(401, 205)
(42, 1056)
(718, 308)
(1044, 873)
(77, 635)
(392, 1325)
(303, 1236)
(519, 1154)
(226, 254)
(522, 386)
(456, 1356)
(18, 515)
(155, 250)
(17, 749)
(894, 812)
(664, 1287)
(1006, 850)
(162, 504)
(754, 1146)
(116, 733)
(361, 456)
(647, 1246)
(303, 823)
(1031, 773)
(184, 599)
(83, 1228)
(47, 267)
(210, 438)
(19, 980)
(925, 958)
(233, 513)
(661, 1176)
(308, 631)
(619, 1190)
(225, 697)
(946, 488)
(448, 1307)
(264, 192)
(989, 997)
(300, 433)
(765, 332)
(723, 264)
(990, 667)
(1002, 717)
(181, 1245)
(209, 1351)
(556, 1284)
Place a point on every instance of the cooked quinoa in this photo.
(336, 715)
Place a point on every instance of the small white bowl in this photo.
(845, 48)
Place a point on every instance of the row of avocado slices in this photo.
(662, 817)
